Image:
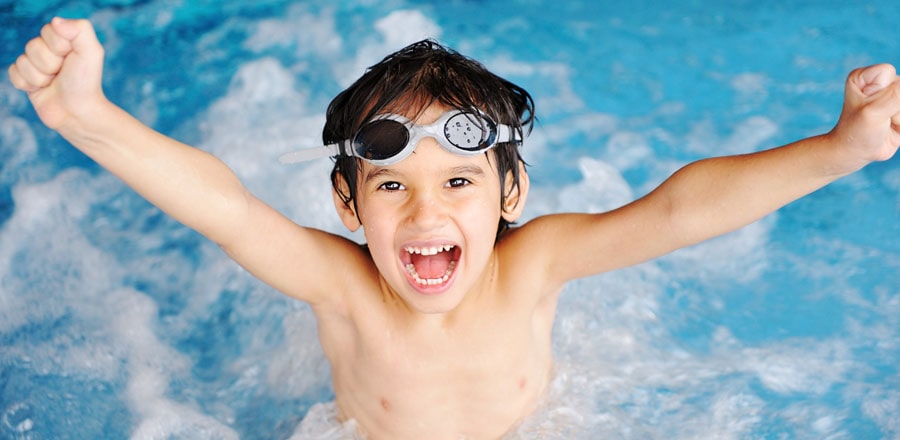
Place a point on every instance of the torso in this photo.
(472, 375)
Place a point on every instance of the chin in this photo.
(433, 301)
(434, 304)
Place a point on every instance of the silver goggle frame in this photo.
(462, 132)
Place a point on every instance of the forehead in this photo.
(430, 160)
(429, 114)
(419, 111)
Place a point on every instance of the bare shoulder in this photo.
(529, 253)
(544, 233)
(563, 247)
(309, 264)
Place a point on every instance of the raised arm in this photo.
(715, 196)
(61, 71)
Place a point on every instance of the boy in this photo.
(438, 327)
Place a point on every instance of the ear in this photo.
(514, 203)
(346, 210)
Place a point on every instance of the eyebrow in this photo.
(472, 170)
(380, 172)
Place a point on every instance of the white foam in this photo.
(882, 406)
(300, 368)
(891, 179)
(395, 30)
(405, 26)
(817, 420)
(151, 364)
(752, 134)
(555, 80)
(263, 115)
(66, 275)
(321, 423)
(752, 91)
(55, 260)
(793, 368)
(741, 256)
(601, 190)
(622, 372)
(309, 32)
(627, 150)
(16, 418)
(18, 138)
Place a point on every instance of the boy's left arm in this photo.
(715, 196)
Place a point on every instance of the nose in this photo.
(426, 212)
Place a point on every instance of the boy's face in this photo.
(430, 221)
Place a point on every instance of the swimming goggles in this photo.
(390, 138)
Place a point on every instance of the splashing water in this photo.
(115, 321)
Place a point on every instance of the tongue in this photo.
(431, 266)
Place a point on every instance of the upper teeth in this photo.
(433, 250)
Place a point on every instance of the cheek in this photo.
(375, 228)
(380, 242)
(480, 219)
(372, 214)
(380, 229)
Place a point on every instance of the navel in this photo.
(385, 404)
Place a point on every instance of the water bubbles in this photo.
(17, 420)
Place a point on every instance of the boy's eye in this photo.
(458, 182)
(391, 186)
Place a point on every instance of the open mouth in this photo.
(429, 266)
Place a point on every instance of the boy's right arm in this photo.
(714, 196)
(61, 70)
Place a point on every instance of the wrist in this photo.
(843, 157)
(95, 120)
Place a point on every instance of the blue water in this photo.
(117, 322)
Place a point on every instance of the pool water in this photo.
(115, 321)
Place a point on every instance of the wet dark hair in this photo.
(411, 79)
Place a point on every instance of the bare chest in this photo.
(466, 381)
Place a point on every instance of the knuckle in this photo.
(29, 77)
(894, 90)
(13, 74)
(892, 95)
(23, 64)
(84, 24)
(855, 73)
(888, 68)
(33, 46)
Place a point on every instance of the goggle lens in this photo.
(381, 139)
(470, 132)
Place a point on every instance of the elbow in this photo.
(678, 213)
(232, 219)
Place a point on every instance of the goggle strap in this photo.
(314, 153)
(505, 134)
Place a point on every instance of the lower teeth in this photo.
(430, 281)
